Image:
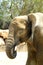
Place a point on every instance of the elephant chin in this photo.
(11, 53)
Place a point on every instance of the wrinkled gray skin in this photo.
(19, 31)
(19, 34)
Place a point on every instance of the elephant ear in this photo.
(32, 17)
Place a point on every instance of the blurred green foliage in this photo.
(11, 8)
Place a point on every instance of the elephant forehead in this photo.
(21, 23)
(21, 26)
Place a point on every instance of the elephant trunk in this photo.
(10, 48)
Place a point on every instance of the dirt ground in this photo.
(20, 59)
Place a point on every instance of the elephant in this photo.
(18, 33)
(24, 29)
(36, 57)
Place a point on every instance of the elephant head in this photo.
(19, 31)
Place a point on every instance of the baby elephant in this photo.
(24, 29)
(19, 31)
(35, 57)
